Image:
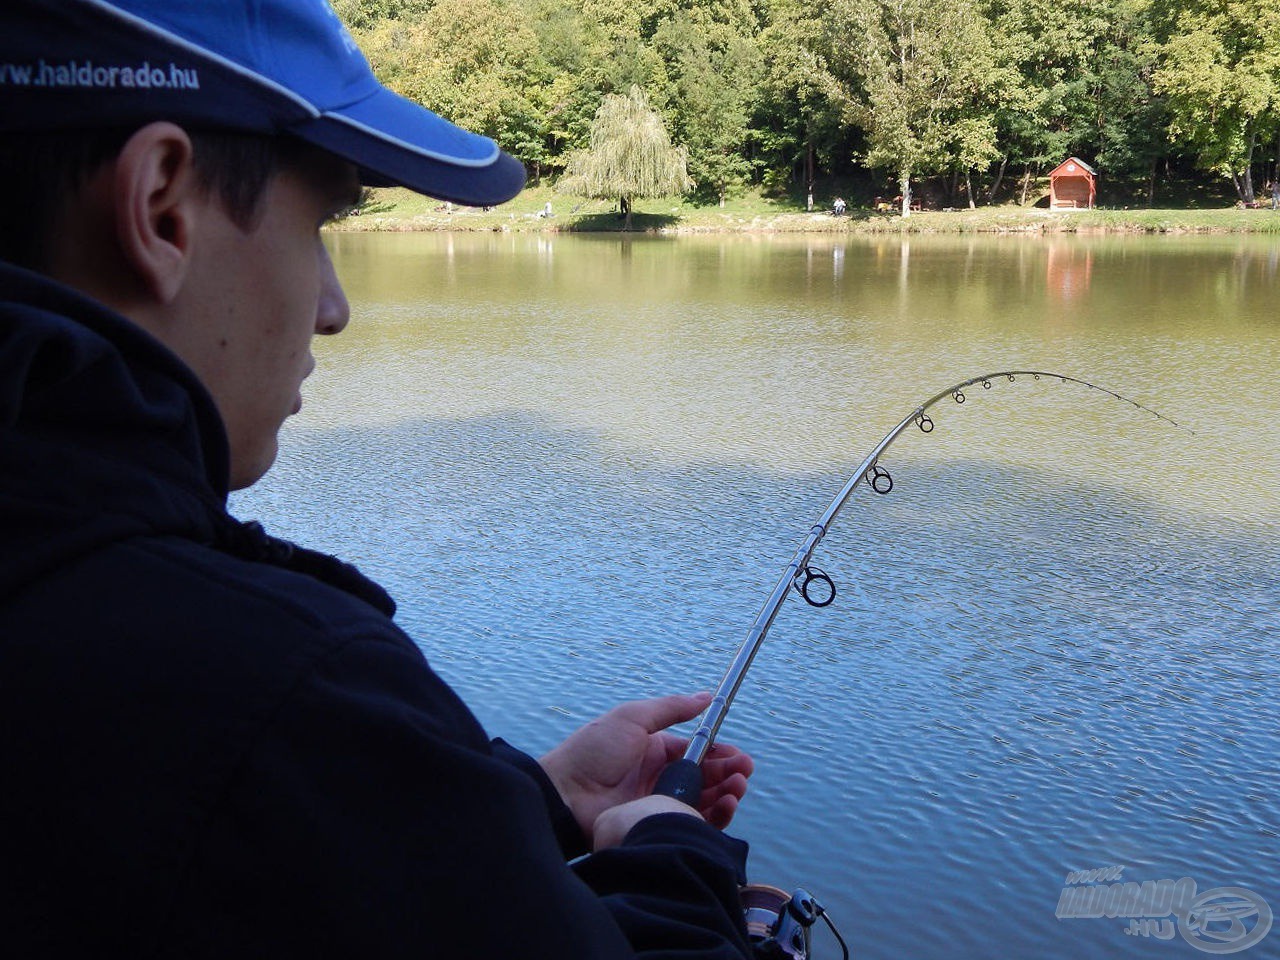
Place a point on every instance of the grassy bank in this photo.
(400, 210)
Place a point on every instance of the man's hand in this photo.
(617, 758)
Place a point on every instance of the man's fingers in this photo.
(725, 761)
(722, 761)
(661, 712)
(733, 786)
(720, 814)
(673, 746)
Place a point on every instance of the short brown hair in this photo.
(43, 168)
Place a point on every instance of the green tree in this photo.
(921, 68)
(630, 155)
(1051, 44)
(1082, 84)
(365, 14)
(567, 100)
(971, 143)
(478, 62)
(776, 90)
(741, 17)
(621, 55)
(801, 115)
(713, 77)
(1220, 72)
(1130, 115)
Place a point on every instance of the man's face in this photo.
(260, 296)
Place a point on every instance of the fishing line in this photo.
(683, 778)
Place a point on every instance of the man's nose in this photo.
(333, 311)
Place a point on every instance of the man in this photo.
(215, 743)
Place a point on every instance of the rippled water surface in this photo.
(581, 463)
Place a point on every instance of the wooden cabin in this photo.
(1072, 185)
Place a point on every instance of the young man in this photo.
(215, 743)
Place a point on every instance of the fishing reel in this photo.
(779, 924)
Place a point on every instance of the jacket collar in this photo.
(105, 434)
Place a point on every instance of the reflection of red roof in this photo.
(1072, 167)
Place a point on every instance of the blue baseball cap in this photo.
(267, 66)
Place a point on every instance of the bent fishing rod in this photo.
(682, 779)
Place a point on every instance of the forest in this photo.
(962, 103)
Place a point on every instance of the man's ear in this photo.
(157, 197)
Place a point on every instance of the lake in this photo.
(580, 463)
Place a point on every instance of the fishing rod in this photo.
(779, 925)
(682, 779)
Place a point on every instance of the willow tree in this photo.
(630, 155)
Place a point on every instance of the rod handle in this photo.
(682, 780)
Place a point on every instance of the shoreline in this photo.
(1098, 222)
(395, 211)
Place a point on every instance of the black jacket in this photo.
(216, 744)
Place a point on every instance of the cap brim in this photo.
(396, 142)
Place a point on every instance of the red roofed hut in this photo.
(1072, 185)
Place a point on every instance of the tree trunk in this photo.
(1151, 184)
(991, 194)
(808, 178)
(1248, 168)
(1237, 181)
(1275, 178)
(1026, 184)
(626, 213)
(968, 189)
(904, 184)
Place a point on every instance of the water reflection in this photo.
(819, 351)
(1068, 271)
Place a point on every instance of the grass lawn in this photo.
(402, 210)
